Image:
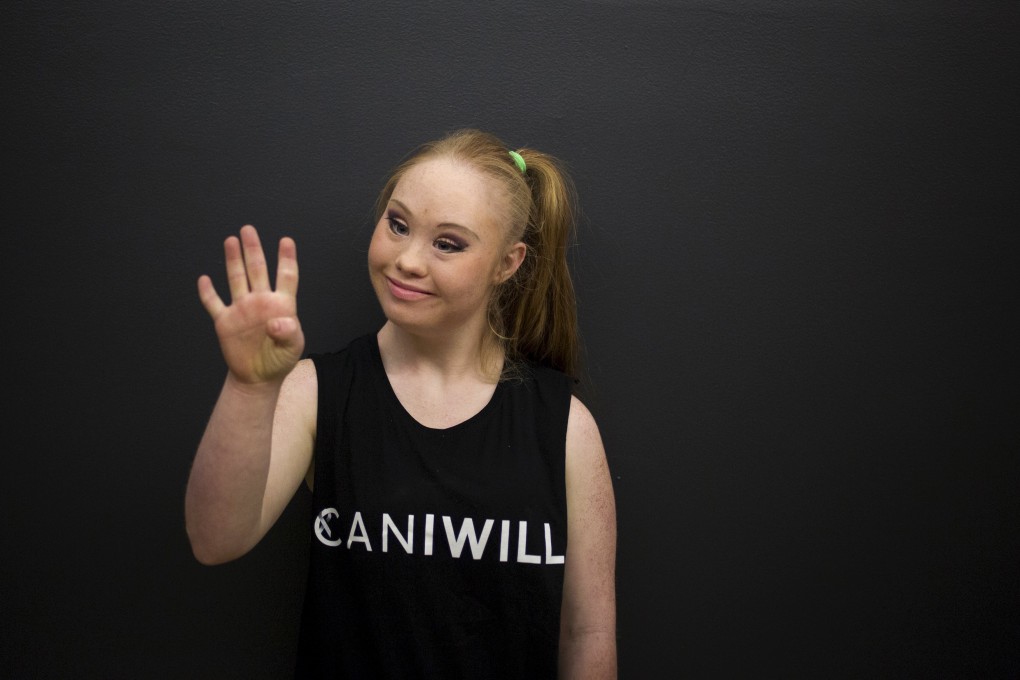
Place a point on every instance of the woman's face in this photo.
(441, 247)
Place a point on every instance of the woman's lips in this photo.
(403, 291)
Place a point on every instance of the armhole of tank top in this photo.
(333, 373)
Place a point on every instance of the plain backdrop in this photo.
(795, 269)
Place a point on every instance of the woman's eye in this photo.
(445, 245)
(397, 227)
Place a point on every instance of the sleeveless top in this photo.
(435, 553)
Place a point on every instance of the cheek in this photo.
(478, 283)
(376, 249)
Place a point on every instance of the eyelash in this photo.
(443, 244)
(396, 225)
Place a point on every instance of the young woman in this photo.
(464, 515)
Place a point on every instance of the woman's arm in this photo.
(256, 450)
(588, 619)
(258, 443)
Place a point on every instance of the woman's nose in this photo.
(411, 260)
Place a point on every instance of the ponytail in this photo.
(537, 309)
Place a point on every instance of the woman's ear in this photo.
(511, 261)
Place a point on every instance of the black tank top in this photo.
(435, 553)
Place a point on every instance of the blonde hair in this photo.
(533, 314)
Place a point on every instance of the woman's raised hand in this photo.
(259, 331)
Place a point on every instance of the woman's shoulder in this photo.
(533, 372)
(581, 422)
(359, 344)
(362, 349)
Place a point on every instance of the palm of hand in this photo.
(251, 353)
(259, 332)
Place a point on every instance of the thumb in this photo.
(285, 331)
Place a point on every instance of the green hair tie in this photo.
(519, 161)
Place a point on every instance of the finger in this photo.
(287, 267)
(237, 279)
(210, 299)
(286, 333)
(254, 259)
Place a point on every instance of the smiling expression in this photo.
(440, 248)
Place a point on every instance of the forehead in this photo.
(447, 189)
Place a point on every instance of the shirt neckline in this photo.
(387, 388)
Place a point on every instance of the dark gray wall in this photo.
(800, 222)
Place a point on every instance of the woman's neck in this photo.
(451, 357)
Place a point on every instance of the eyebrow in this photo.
(449, 225)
